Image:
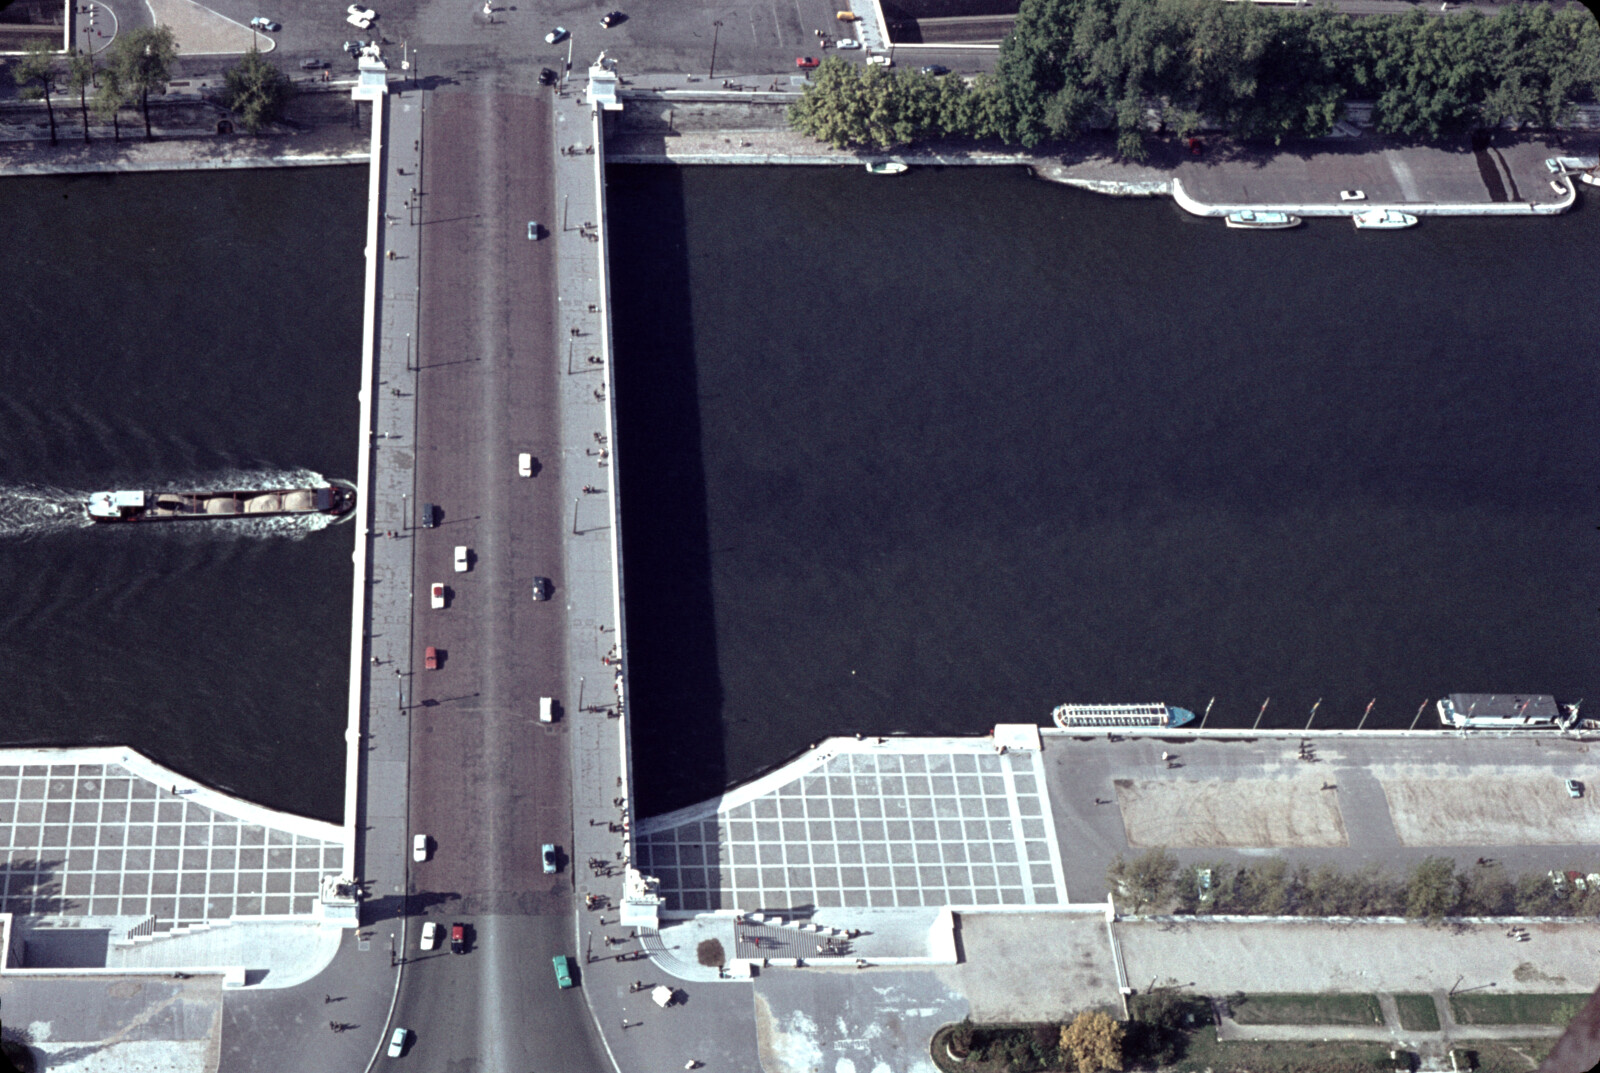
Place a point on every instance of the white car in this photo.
(461, 558)
(848, 42)
(1352, 195)
(525, 464)
(360, 17)
(558, 34)
(881, 61)
(547, 857)
(430, 936)
(397, 1042)
(436, 595)
(419, 848)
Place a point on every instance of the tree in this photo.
(37, 74)
(1431, 889)
(142, 60)
(1535, 895)
(1487, 892)
(1145, 881)
(109, 100)
(80, 76)
(1095, 1042)
(257, 91)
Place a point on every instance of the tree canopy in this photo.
(37, 73)
(257, 91)
(141, 61)
(1095, 1042)
(1141, 66)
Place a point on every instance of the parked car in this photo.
(419, 848)
(547, 857)
(312, 65)
(261, 23)
(436, 595)
(805, 63)
(1352, 195)
(525, 459)
(541, 588)
(881, 61)
(430, 516)
(398, 1041)
(547, 77)
(430, 659)
(1574, 788)
(847, 43)
(461, 558)
(613, 18)
(936, 69)
(458, 938)
(563, 971)
(430, 936)
(558, 34)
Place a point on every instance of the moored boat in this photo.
(137, 506)
(1384, 220)
(1074, 716)
(1506, 711)
(888, 167)
(1249, 219)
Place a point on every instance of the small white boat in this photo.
(888, 167)
(1261, 221)
(1384, 220)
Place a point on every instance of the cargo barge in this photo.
(135, 506)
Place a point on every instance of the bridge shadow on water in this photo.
(675, 682)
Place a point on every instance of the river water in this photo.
(195, 330)
(926, 453)
(914, 454)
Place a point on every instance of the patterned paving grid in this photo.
(889, 830)
(94, 839)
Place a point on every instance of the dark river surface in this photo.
(916, 454)
(926, 453)
(197, 330)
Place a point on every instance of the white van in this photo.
(546, 710)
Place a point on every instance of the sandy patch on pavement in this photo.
(1238, 814)
(1493, 809)
(1006, 955)
(201, 31)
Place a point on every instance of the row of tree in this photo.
(1140, 66)
(136, 65)
(1092, 1041)
(1431, 890)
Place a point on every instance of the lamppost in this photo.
(716, 28)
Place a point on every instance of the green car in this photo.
(563, 971)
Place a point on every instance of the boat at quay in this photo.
(1251, 220)
(1384, 220)
(137, 506)
(1506, 711)
(1074, 716)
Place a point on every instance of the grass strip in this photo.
(1292, 1009)
(1486, 1009)
(1278, 1056)
(1417, 1013)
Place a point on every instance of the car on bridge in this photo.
(462, 554)
(430, 936)
(419, 848)
(430, 658)
(458, 938)
(563, 971)
(398, 1041)
(436, 595)
(547, 856)
(541, 588)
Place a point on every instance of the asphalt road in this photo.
(489, 783)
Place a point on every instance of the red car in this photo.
(430, 658)
(805, 62)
